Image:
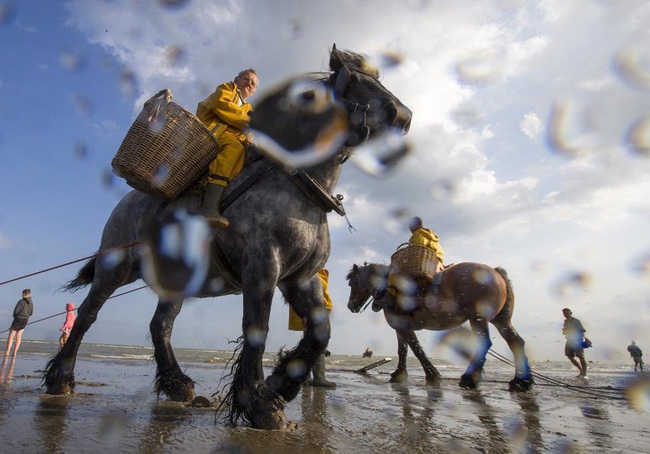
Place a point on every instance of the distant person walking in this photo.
(636, 354)
(70, 317)
(574, 333)
(23, 310)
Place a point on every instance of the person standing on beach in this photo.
(574, 333)
(23, 310)
(70, 317)
(636, 354)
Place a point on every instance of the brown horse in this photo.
(466, 291)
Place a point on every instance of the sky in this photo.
(530, 147)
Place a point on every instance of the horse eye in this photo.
(308, 94)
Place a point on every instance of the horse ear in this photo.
(335, 59)
(355, 268)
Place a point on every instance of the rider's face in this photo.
(247, 84)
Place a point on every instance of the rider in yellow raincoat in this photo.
(227, 114)
(296, 324)
(419, 237)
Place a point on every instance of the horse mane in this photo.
(352, 60)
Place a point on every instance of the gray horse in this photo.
(278, 237)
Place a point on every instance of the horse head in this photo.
(372, 108)
(365, 281)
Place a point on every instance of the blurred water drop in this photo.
(319, 315)
(80, 150)
(633, 66)
(638, 137)
(572, 282)
(174, 55)
(396, 222)
(569, 131)
(82, 105)
(443, 190)
(7, 11)
(479, 69)
(107, 178)
(382, 153)
(641, 265)
(461, 341)
(385, 60)
(299, 124)
(638, 394)
(174, 3)
(72, 62)
(296, 369)
(176, 254)
(467, 116)
(256, 336)
(128, 83)
(292, 29)
(161, 175)
(112, 258)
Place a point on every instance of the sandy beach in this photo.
(114, 410)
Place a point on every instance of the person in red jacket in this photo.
(70, 317)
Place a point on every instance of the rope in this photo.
(125, 246)
(554, 382)
(61, 313)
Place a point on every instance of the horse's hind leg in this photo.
(58, 377)
(523, 380)
(170, 380)
(474, 373)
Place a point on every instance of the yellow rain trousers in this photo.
(227, 116)
(295, 322)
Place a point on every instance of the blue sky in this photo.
(524, 108)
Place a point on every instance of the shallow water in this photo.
(114, 410)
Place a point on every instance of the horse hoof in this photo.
(272, 420)
(467, 382)
(433, 380)
(520, 385)
(62, 389)
(399, 376)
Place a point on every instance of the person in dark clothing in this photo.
(574, 333)
(636, 354)
(23, 310)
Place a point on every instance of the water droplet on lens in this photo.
(397, 221)
(638, 394)
(128, 83)
(638, 137)
(479, 70)
(176, 254)
(299, 124)
(573, 282)
(292, 29)
(256, 337)
(112, 258)
(71, 61)
(382, 153)
(568, 130)
(633, 66)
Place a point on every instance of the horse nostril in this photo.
(406, 127)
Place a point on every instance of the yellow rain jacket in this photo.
(295, 322)
(428, 238)
(226, 114)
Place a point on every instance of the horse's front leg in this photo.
(293, 366)
(523, 380)
(400, 374)
(474, 373)
(249, 397)
(170, 380)
(431, 373)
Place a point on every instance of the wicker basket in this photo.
(166, 150)
(414, 262)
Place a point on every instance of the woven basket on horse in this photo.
(167, 149)
(415, 262)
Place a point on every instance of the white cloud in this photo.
(531, 125)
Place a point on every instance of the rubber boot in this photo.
(318, 371)
(210, 207)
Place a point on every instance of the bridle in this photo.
(339, 82)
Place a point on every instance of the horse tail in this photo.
(84, 277)
(509, 307)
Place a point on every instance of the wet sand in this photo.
(114, 410)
